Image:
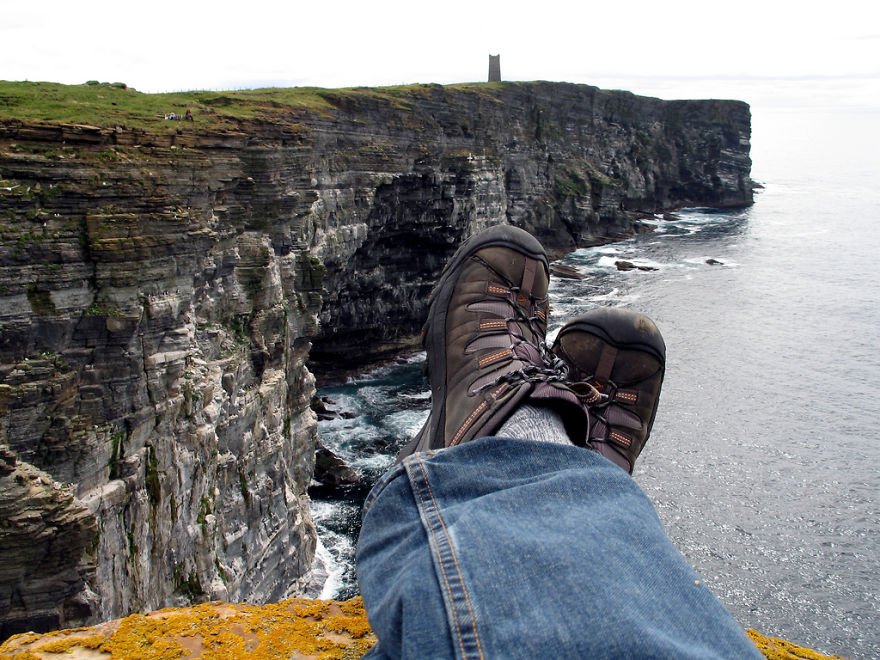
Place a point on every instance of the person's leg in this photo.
(498, 548)
(505, 548)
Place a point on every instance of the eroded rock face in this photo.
(159, 295)
(47, 551)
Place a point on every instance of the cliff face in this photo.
(160, 291)
(412, 177)
(153, 361)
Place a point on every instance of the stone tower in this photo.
(494, 68)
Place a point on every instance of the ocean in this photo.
(764, 461)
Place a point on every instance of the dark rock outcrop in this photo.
(566, 272)
(623, 265)
(160, 292)
(331, 470)
(47, 547)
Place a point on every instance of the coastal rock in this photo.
(714, 262)
(331, 470)
(152, 361)
(47, 544)
(624, 265)
(161, 292)
(565, 272)
(319, 405)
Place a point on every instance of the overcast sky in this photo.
(771, 53)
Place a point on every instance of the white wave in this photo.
(332, 571)
(406, 423)
(377, 395)
(579, 253)
(331, 547)
(620, 300)
(416, 398)
(373, 462)
(347, 441)
(416, 358)
(693, 221)
(384, 370)
(607, 262)
(607, 249)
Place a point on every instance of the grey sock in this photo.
(535, 423)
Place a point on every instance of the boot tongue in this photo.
(566, 403)
(527, 353)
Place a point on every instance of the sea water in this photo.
(764, 462)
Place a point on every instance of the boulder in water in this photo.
(331, 470)
(566, 272)
(629, 265)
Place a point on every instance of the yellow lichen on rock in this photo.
(298, 628)
(775, 648)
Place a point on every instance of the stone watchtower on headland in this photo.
(494, 68)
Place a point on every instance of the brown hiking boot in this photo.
(485, 342)
(622, 355)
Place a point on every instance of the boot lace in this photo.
(551, 367)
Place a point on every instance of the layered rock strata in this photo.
(152, 361)
(160, 292)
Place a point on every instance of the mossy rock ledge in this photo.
(297, 629)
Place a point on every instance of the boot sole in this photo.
(615, 326)
(627, 331)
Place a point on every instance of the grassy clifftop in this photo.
(113, 104)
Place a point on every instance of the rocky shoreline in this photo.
(166, 294)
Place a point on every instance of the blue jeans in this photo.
(503, 548)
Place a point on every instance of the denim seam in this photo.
(380, 485)
(446, 561)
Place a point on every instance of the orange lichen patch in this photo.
(298, 628)
(79, 643)
(775, 648)
(65, 644)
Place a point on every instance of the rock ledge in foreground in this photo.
(299, 628)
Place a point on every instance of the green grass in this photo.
(106, 105)
(111, 104)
